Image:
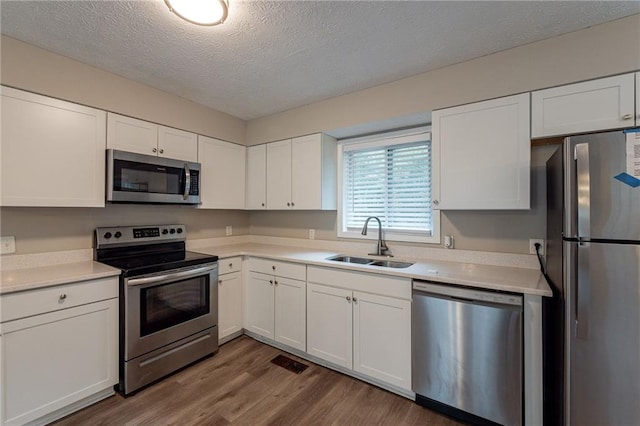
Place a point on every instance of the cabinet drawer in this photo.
(282, 269)
(230, 264)
(361, 281)
(34, 302)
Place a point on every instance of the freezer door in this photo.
(603, 333)
(598, 206)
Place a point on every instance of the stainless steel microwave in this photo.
(139, 178)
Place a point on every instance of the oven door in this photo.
(162, 308)
(139, 178)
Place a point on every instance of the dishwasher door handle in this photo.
(468, 295)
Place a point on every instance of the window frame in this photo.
(379, 140)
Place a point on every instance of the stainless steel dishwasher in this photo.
(467, 353)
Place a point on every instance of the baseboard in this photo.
(72, 408)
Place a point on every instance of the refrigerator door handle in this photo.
(584, 189)
(583, 292)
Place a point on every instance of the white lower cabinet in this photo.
(330, 324)
(275, 304)
(55, 359)
(369, 333)
(229, 297)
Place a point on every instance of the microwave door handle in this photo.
(187, 181)
(160, 279)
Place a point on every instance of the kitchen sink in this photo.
(372, 262)
(390, 264)
(351, 259)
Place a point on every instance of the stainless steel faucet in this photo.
(382, 248)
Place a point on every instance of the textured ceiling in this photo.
(273, 56)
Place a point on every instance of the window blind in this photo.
(392, 182)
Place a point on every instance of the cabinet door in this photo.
(290, 313)
(329, 324)
(229, 304)
(222, 174)
(53, 152)
(178, 144)
(259, 306)
(52, 360)
(132, 135)
(256, 195)
(382, 338)
(279, 175)
(606, 103)
(306, 172)
(482, 155)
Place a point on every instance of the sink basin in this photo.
(390, 264)
(351, 259)
(372, 262)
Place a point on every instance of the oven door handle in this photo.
(160, 279)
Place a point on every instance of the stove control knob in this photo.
(172, 231)
(179, 230)
(165, 231)
(107, 235)
(118, 234)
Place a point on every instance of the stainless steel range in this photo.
(168, 300)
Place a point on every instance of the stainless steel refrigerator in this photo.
(592, 333)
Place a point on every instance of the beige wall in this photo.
(40, 230)
(497, 231)
(27, 67)
(598, 51)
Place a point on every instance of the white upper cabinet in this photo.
(222, 174)
(482, 155)
(178, 144)
(53, 152)
(256, 189)
(142, 137)
(301, 173)
(605, 103)
(279, 175)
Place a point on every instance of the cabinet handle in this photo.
(262, 204)
(231, 265)
(161, 151)
(355, 300)
(220, 282)
(275, 282)
(435, 202)
(289, 204)
(271, 282)
(627, 116)
(349, 299)
(154, 149)
(292, 204)
(63, 297)
(273, 267)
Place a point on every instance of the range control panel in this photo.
(132, 235)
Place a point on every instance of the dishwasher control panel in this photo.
(468, 294)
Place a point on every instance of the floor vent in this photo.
(289, 364)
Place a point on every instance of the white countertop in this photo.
(504, 278)
(46, 276)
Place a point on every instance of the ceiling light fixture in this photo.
(200, 12)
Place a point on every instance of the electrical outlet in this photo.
(7, 245)
(448, 241)
(229, 231)
(532, 246)
(312, 234)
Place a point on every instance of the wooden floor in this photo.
(239, 385)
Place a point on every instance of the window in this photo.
(388, 176)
